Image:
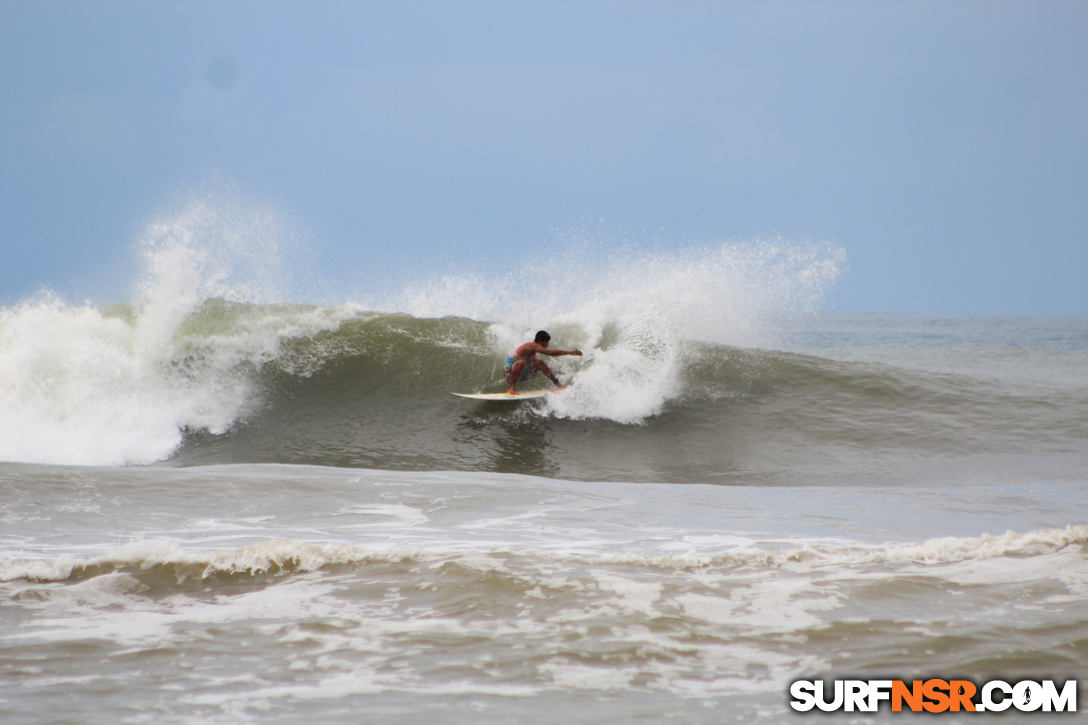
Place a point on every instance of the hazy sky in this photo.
(943, 145)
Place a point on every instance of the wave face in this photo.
(375, 393)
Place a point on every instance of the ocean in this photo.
(222, 506)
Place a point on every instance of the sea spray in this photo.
(102, 386)
(632, 312)
(730, 293)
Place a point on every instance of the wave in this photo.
(209, 344)
(678, 383)
(344, 386)
(244, 382)
(165, 562)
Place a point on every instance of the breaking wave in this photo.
(210, 345)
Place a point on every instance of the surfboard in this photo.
(527, 395)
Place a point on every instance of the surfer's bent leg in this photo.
(513, 375)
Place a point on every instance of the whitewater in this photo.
(228, 499)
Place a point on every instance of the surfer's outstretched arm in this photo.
(557, 353)
(536, 348)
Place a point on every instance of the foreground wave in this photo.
(167, 564)
(322, 592)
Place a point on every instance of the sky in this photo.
(942, 145)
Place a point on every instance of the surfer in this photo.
(523, 365)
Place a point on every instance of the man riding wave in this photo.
(523, 365)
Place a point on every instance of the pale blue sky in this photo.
(943, 145)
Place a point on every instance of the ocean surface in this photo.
(220, 507)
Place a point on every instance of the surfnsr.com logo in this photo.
(934, 695)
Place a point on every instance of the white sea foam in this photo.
(254, 559)
(336, 623)
(775, 606)
(86, 385)
(579, 677)
(79, 386)
(631, 312)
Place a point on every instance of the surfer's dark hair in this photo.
(542, 336)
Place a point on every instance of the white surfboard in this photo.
(527, 395)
